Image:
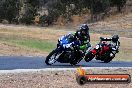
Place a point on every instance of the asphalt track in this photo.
(9, 63)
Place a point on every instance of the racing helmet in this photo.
(115, 38)
(84, 29)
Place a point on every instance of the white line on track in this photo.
(58, 69)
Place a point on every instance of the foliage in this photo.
(118, 3)
(30, 11)
(8, 9)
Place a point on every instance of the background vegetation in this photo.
(24, 11)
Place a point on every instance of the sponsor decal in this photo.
(82, 77)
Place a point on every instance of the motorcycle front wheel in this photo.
(51, 58)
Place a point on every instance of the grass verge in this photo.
(30, 43)
(42, 45)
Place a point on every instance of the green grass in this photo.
(42, 45)
(30, 43)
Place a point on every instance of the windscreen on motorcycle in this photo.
(64, 40)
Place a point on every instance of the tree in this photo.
(55, 8)
(8, 9)
(118, 3)
(98, 7)
(31, 7)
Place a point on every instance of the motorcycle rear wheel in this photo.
(75, 58)
(73, 63)
(89, 56)
(108, 59)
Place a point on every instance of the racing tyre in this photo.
(51, 58)
(108, 59)
(73, 63)
(89, 56)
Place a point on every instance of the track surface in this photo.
(12, 63)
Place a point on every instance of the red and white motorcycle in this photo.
(103, 51)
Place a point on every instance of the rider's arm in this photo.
(75, 35)
(84, 44)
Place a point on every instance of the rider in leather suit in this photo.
(81, 36)
(114, 42)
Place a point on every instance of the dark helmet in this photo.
(84, 28)
(115, 38)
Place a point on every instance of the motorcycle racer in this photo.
(71, 48)
(114, 42)
(104, 50)
(81, 37)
